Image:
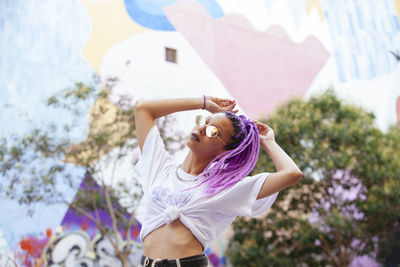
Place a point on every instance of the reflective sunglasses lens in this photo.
(211, 131)
(200, 120)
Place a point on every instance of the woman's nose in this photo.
(202, 129)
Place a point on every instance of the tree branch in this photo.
(89, 216)
(110, 209)
(325, 247)
(95, 207)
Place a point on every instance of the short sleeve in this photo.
(153, 160)
(241, 198)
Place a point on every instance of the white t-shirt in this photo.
(206, 216)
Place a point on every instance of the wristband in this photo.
(204, 102)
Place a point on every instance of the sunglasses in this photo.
(211, 131)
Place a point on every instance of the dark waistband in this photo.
(199, 260)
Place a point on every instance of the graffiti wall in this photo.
(262, 53)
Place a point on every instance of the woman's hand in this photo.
(215, 105)
(266, 132)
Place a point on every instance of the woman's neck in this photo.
(194, 164)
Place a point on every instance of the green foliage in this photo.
(255, 244)
(339, 149)
(383, 200)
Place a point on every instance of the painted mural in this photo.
(150, 14)
(367, 54)
(278, 50)
(40, 54)
(259, 62)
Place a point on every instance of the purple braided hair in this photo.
(238, 161)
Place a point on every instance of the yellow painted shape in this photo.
(106, 120)
(111, 24)
(315, 3)
(397, 2)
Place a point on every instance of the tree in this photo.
(324, 219)
(382, 204)
(40, 166)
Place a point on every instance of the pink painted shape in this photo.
(259, 69)
(398, 110)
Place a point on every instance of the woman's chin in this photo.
(192, 144)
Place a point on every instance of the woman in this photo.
(189, 205)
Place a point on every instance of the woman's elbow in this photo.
(296, 176)
(138, 105)
(141, 106)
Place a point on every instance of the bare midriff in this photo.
(171, 241)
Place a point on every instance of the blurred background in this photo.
(325, 74)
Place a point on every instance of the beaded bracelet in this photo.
(204, 102)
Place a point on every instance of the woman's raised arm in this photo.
(146, 111)
(287, 173)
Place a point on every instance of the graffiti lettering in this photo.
(76, 249)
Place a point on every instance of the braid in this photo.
(238, 131)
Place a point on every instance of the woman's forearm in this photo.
(281, 160)
(287, 173)
(146, 111)
(163, 107)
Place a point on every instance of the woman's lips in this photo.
(195, 137)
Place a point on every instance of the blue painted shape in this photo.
(150, 13)
(41, 44)
(359, 17)
(7, 236)
(339, 63)
(352, 24)
(338, 26)
(373, 25)
(356, 73)
(396, 22)
(371, 69)
(39, 57)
